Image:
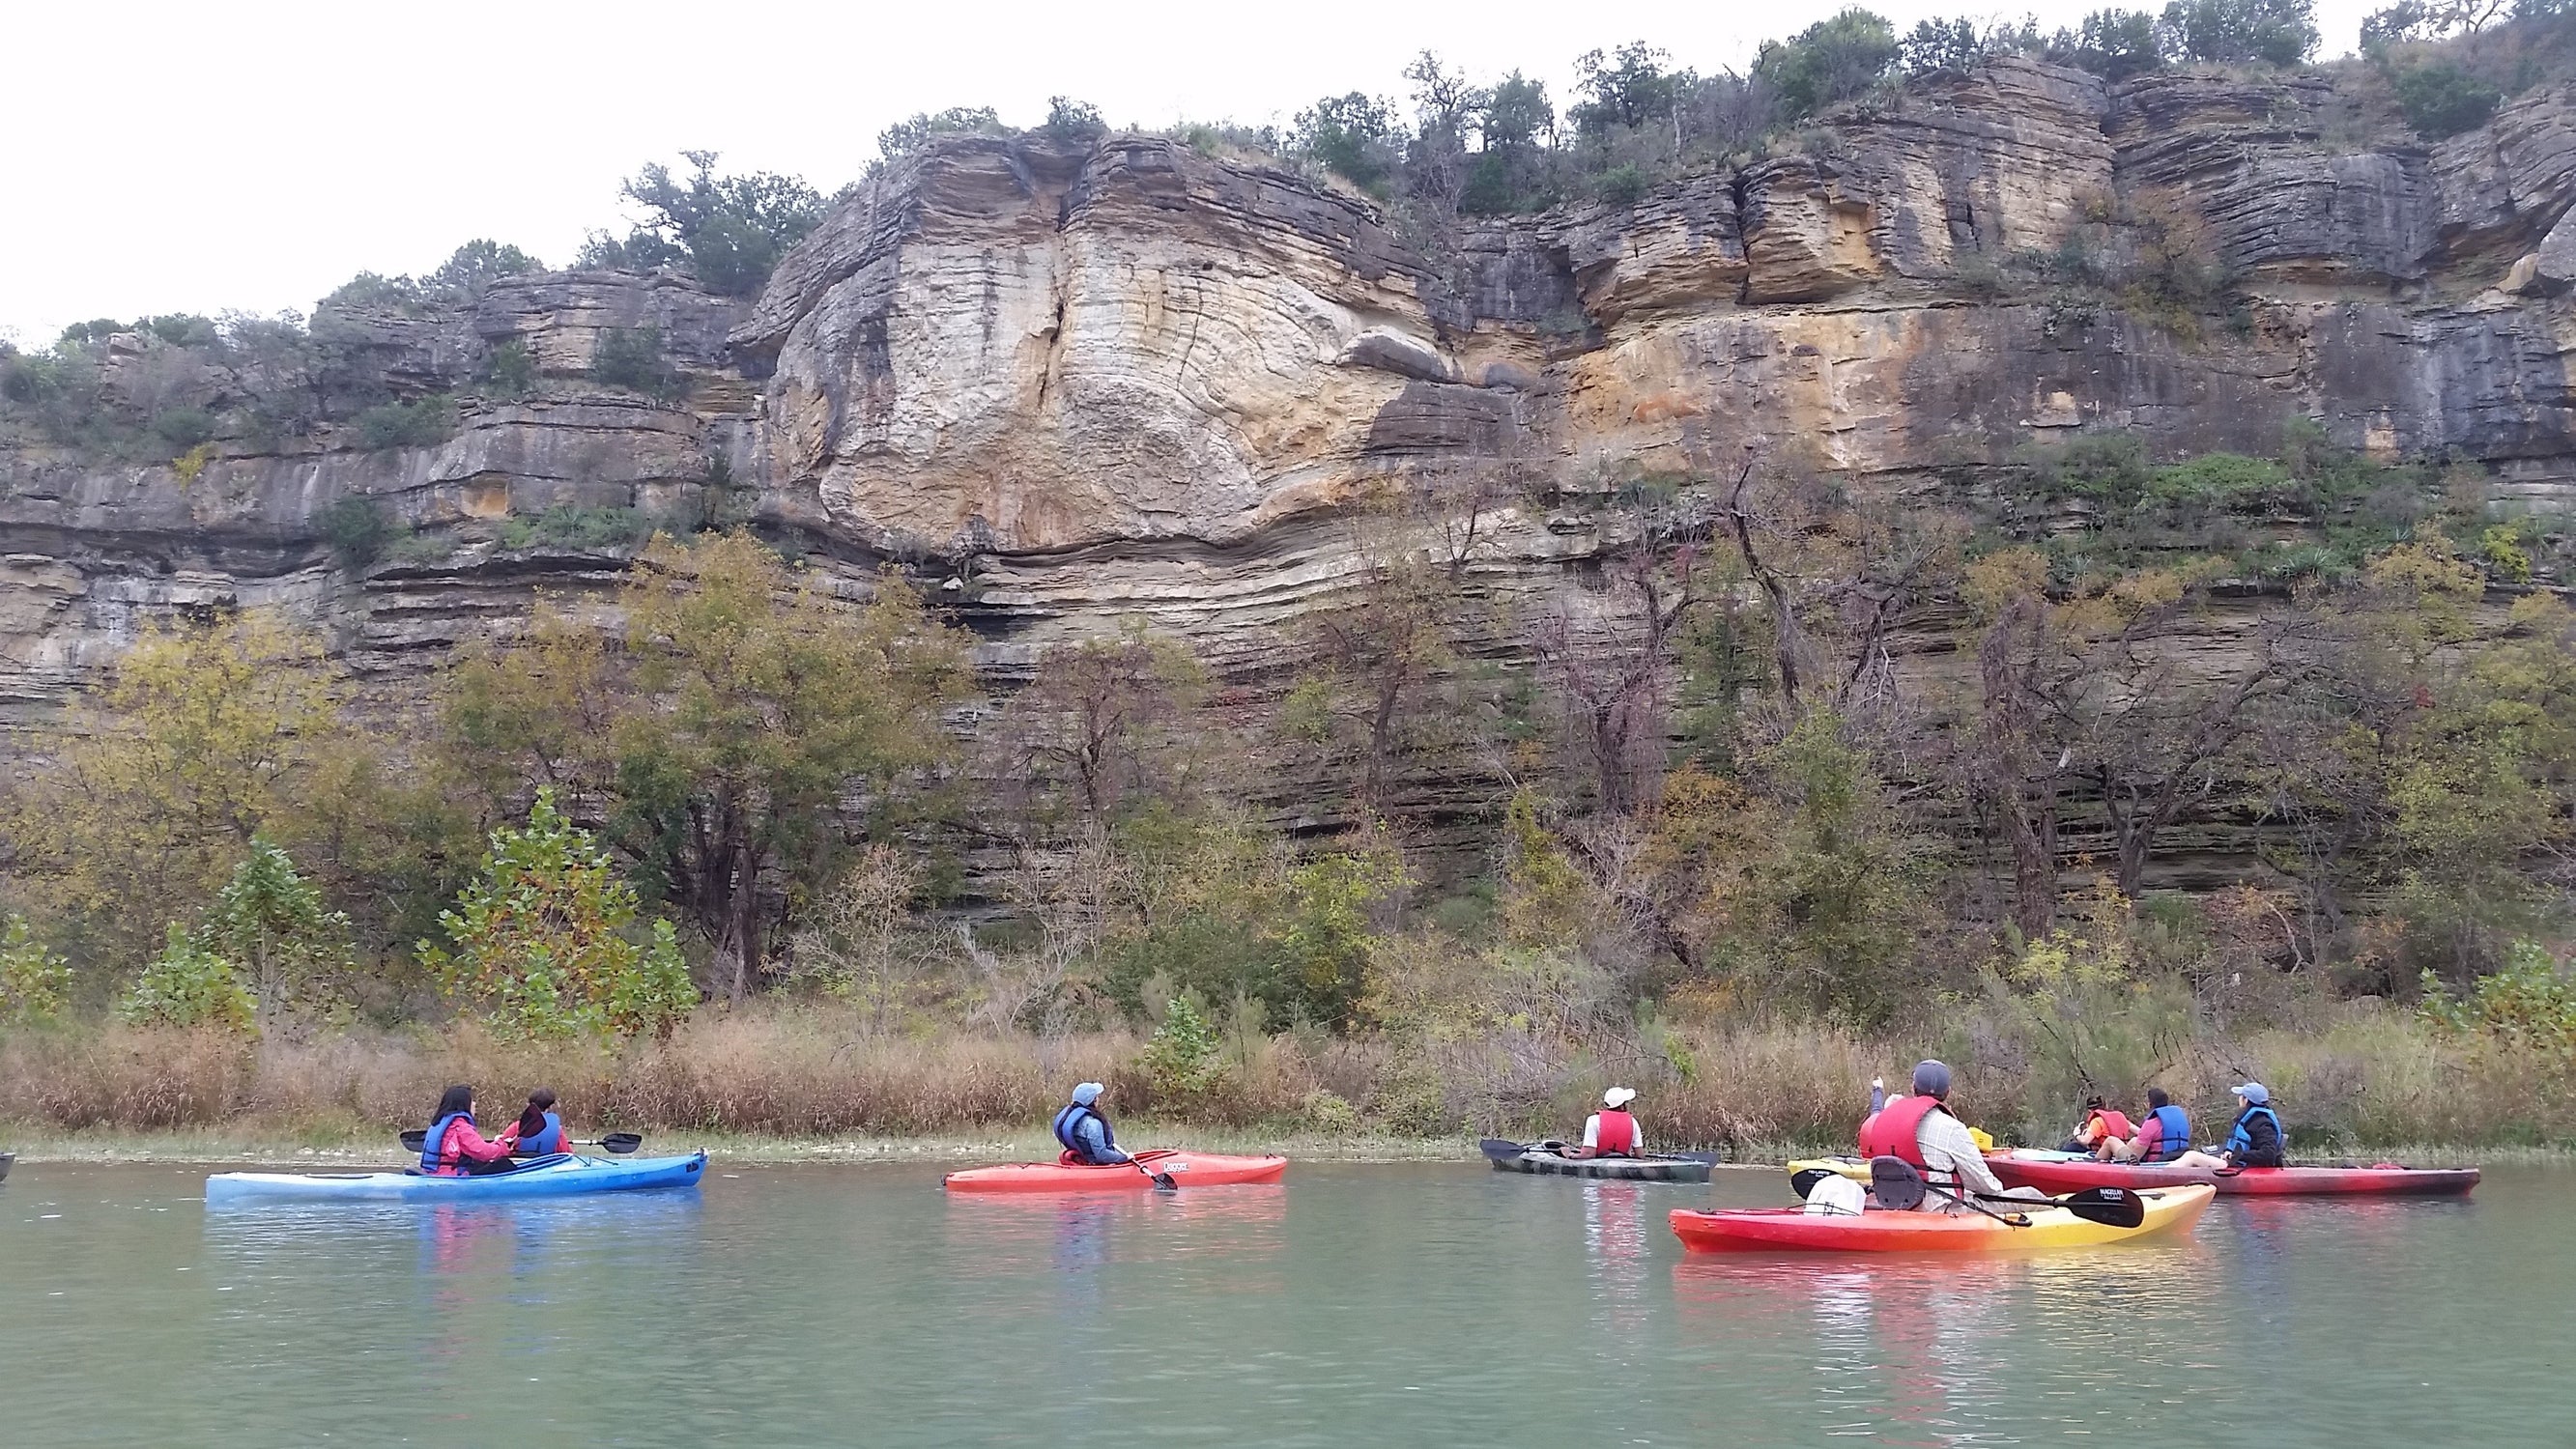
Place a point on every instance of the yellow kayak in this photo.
(1857, 1168)
(1880, 1231)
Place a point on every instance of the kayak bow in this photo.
(562, 1175)
(2054, 1172)
(1773, 1230)
(1189, 1169)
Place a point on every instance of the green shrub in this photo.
(2223, 480)
(1832, 60)
(183, 428)
(1623, 185)
(543, 940)
(189, 985)
(1072, 120)
(2501, 546)
(511, 370)
(2528, 1003)
(1181, 1059)
(2275, 32)
(32, 979)
(1328, 1115)
(2440, 99)
(357, 529)
(632, 358)
(422, 423)
(573, 527)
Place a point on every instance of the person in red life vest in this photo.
(1921, 1130)
(453, 1148)
(2101, 1124)
(1612, 1131)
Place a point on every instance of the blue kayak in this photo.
(561, 1175)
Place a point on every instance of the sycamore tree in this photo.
(761, 704)
(748, 719)
(545, 940)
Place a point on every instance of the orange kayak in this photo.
(1781, 1230)
(1188, 1169)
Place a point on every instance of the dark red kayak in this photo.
(2056, 1173)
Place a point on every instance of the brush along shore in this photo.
(798, 1084)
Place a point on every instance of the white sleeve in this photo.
(1592, 1130)
(1946, 1143)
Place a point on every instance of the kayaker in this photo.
(2257, 1139)
(1920, 1129)
(1087, 1140)
(2163, 1134)
(453, 1148)
(2101, 1123)
(1612, 1131)
(541, 1132)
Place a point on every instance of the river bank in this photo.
(810, 1082)
(366, 1146)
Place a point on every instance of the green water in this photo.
(1351, 1305)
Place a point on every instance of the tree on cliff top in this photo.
(730, 231)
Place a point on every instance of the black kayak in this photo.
(1548, 1159)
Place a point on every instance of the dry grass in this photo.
(2362, 1078)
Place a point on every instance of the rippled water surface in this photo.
(1351, 1305)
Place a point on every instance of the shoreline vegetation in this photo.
(794, 1083)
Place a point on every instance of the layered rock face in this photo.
(1126, 379)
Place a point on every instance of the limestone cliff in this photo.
(1125, 378)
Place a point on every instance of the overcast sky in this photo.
(248, 156)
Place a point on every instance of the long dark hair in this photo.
(533, 1120)
(455, 1100)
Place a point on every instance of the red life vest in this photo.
(1891, 1132)
(1615, 1131)
(2114, 1124)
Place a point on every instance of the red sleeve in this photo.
(464, 1141)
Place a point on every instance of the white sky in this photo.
(251, 156)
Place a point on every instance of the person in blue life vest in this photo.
(1085, 1133)
(2257, 1140)
(2163, 1134)
(541, 1132)
(1613, 1131)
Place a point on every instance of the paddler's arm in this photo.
(1098, 1143)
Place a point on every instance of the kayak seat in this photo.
(1895, 1183)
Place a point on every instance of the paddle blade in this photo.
(622, 1142)
(1500, 1150)
(2112, 1207)
(416, 1139)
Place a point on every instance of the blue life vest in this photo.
(2239, 1140)
(437, 1139)
(2176, 1138)
(1068, 1125)
(549, 1141)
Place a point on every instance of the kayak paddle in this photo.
(2112, 1207)
(620, 1143)
(1163, 1181)
(1500, 1150)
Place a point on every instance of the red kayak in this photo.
(1188, 1169)
(2054, 1174)
(1775, 1230)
